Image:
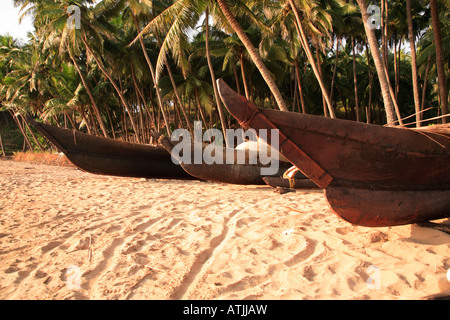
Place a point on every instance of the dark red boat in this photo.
(111, 157)
(243, 173)
(372, 175)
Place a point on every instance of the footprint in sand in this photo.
(40, 274)
(51, 245)
(245, 221)
(343, 231)
(144, 207)
(113, 228)
(309, 273)
(12, 268)
(22, 271)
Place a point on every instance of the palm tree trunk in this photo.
(384, 25)
(253, 54)
(396, 74)
(379, 65)
(138, 103)
(200, 108)
(177, 96)
(335, 69)
(213, 79)
(146, 109)
(111, 123)
(1, 144)
(244, 78)
(384, 47)
(439, 58)
(85, 120)
(236, 79)
(413, 64)
(26, 140)
(294, 89)
(425, 81)
(310, 57)
(394, 100)
(319, 68)
(299, 84)
(36, 140)
(369, 106)
(355, 80)
(72, 121)
(399, 52)
(88, 90)
(177, 114)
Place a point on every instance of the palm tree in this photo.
(426, 59)
(197, 84)
(399, 30)
(317, 72)
(213, 78)
(174, 20)
(355, 78)
(199, 89)
(73, 78)
(137, 9)
(49, 16)
(1, 144)
(25, 86)
(379, 64)
(443, 93)
(234, 53)
(415, 79)
(107, 74)
(89, 92)
(174, 86)
(253, 54)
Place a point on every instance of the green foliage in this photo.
(40, 77)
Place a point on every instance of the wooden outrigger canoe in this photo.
(104, 156)
(372, 175)
(243, 172)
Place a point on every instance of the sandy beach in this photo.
(68, 234)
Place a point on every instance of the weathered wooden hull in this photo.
(381, 208)
(104, 156)
(245, 173)
(373, 175)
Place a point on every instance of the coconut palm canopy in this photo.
(127, 67)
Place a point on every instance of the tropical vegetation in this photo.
(132, 66)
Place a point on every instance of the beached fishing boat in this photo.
(111, 157)
(372, 175)
(238, 170)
